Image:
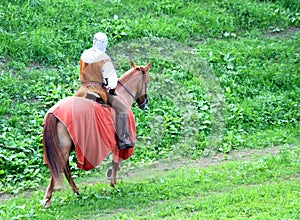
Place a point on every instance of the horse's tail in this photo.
(51, 149)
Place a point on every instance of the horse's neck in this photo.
(125, 95)
(127, 88)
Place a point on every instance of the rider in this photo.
(99, 79)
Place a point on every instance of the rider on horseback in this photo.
(99, 80)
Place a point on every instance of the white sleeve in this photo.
(109, 73)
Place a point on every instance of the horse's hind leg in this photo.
(57, 145)
(70, 179)
(65, 144)
(48, 194)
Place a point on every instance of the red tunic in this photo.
(91, 127)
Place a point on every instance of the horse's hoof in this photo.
(113, 182)
(108, 173)
(46, 203)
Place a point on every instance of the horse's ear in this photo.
(147, 67)
(132, 64)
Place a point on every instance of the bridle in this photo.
(138, 94)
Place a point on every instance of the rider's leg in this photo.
(121, 122)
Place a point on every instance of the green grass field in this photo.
(225, 81)
(257, 185)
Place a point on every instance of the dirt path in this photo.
(284, 33)
(162, 168)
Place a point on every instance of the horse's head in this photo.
(135, 83)
(141, 95)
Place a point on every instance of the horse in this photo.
(58, 141)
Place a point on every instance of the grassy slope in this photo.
(260, 78)
(261, 186)
(252, 46)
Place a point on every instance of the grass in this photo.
(224, 76)
(260, 186)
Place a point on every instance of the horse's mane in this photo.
(129, 72)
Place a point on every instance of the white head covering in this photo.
(97, 52)
(100, 42)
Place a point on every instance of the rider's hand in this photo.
(112, 92)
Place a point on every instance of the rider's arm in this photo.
(109, 73)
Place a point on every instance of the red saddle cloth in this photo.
(91, 127)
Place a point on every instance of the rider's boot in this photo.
(123, 138)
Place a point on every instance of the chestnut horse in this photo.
(58, 143)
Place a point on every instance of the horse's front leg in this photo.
(115, 168)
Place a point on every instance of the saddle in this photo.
(96, 98)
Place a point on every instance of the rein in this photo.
(126, 89)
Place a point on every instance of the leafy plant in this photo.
(253, 52)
